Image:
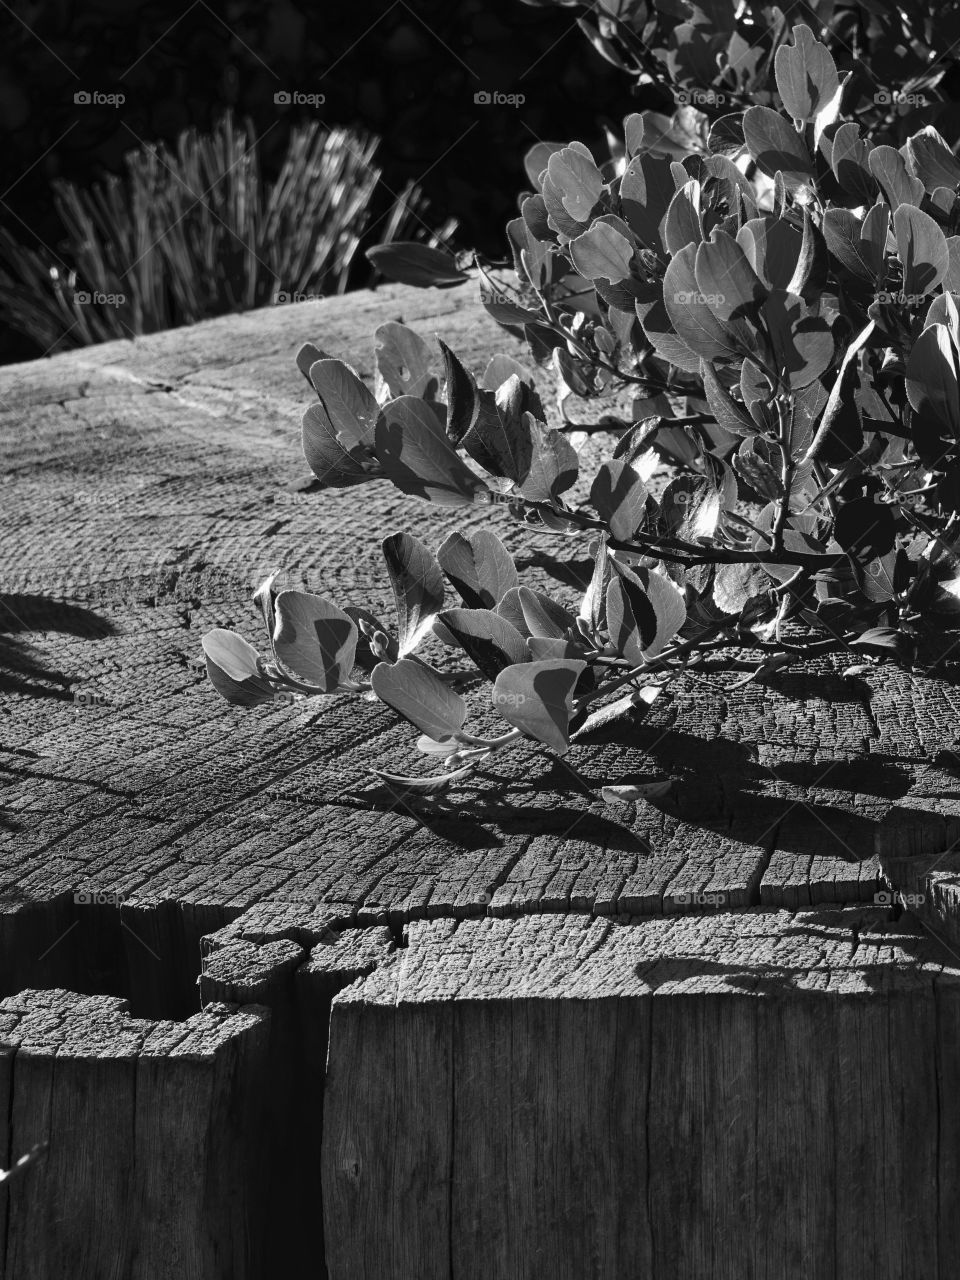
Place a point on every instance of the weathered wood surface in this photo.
(147, 489)
(149, 486)
(150, 1167)
(749, 1095)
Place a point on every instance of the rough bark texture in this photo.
(149, 486)
(751, 1095)
(151, 1163)
(694, 1064)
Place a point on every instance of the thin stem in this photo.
(784, 442)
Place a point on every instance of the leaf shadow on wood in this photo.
(21, 671)
(763, 979)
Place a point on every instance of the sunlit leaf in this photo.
(537, 699)
(314, 639)
(420, 696)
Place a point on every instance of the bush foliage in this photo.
(779, 291)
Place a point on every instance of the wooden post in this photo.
(758, 1094)
(150, 1165)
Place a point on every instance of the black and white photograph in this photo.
(480, 640)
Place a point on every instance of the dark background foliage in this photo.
(406, 71)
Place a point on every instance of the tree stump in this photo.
(692, 1037)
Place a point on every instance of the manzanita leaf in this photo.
(399, 787)
(681, 223)
(668, 605)
(729, 284)
(631, 621)
(499, 369)
(233, 668)
(773, 247)
(850, 162)
(842, 231)
(350, 405)
(416, 691)
(543, 647)
(314, 639)
(307, 356)
(537, 699)
(620, 498)
(810, 276)
(489, 640)
(690, 507)
(509, 607)
(404, 363)
(873, 240)
(577, 180)
(545, 618)
(890, 170)
(633, 707)
(335, 466)
(729, 413)
(553, 466)
(806, 75)
(438, 746)
(537, 158)
(499, 438)
(479, 566)
(884, 641)
(417, 457)
(602, 252)
(931, 160)
(689, 311)
(776, 147)
(735, 584)
(417, 587)
(835, 399)
(752, 463)
(932, 379)
(409, 262)
(922, 248)
(463, 400)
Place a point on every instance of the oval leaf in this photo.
(417, 587)
(233, 668)
(490, 641)
(417, 456)
(315, 639)
(408, 262)
(537, 699)
(420, 696)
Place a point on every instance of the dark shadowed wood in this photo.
(757, 1094)
(150, 1166)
